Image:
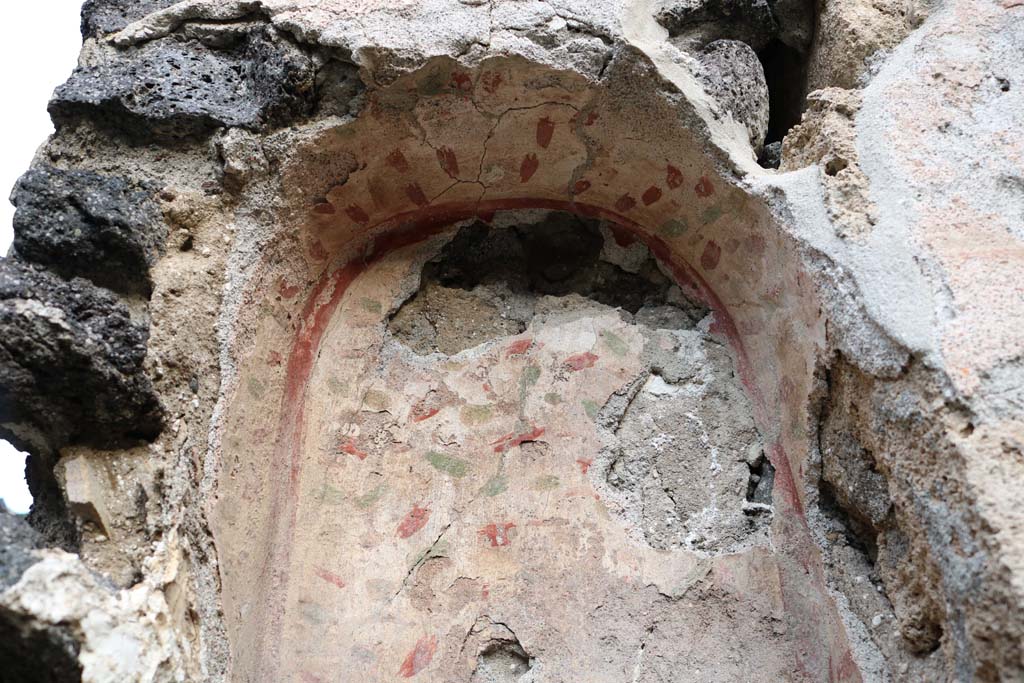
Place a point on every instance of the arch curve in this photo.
(448, 143)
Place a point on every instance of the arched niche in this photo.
(362, 199)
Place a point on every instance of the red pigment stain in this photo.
(356, 213)
(349, 447)
(704, 187)
(651, 195)
(732, 245)
(584, 464)
(756, 244)
(497, 534)
(415, 194)
(449, 163)
(274, 358)
(414, 521)
(324, 208)
(486, 592)
(624, 238)
(545, 129)
(491, 80)
(712, 253)
(581, 361)
(528, 167)
(285, 290)
(317, 250)
(330, 577)
(421, 412)
(397, 161)
(589, 121)
(518, 347)
(310, 678)
(462, 81)
(511, 441)
(624, 203)
(420, 657)
(487, 388)
(581, 186)
(673, 177)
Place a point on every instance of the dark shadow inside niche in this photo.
(502, 662)
(857, 535)
(490, 282)
(785, 71)
(49, 515)
(781, 33)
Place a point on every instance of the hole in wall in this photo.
(13, 486)
(785, 71)
(491, 282)
(682, 458)
(501, 661)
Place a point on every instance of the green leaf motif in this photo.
(546, 483)
(475, 414)
(453, 467)
(495, 485)
(674, 227)
(614, 343)
(370, 497)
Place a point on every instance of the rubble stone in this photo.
(81, 224)
(71, 363)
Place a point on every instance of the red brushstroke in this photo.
(651, 195)
(449, 162)
(330, 577)
(498, 534)
(580, 186)
(421, 413)
(461, 81)
(756, 245)
(673, 177)
(397, 161)
(624, 203)
(415, 194)
(581, 361)
(518, 347)
(356, 213)
(285, 290)
(624, 238)
(712, 254)
(419, 658)
(704, 187)
(545, 129)
(324, 208)
(584, 464)
(317, 250)
(349, 447)
(491, 80)
(528, 167)
(588, 121)
(415, 520)
(511, 441)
